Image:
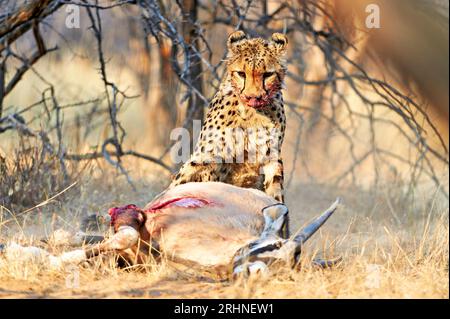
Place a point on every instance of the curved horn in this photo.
(309, 230)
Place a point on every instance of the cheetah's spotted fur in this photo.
(249, 97)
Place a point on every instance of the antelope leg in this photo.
(125, 237)
(15, 253)
(92, 239)
(78, 239)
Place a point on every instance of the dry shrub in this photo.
(29, 176)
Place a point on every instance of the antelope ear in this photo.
(280, 42)
(234, 38)
(275, 217)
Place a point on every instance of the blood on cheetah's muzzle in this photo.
(256, 102)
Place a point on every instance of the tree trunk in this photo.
(195, 104)
(2, 85)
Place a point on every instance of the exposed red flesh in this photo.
(185, 202)
(116, 211)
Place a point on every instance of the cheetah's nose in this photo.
(253, 97)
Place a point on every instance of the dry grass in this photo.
(382, 259)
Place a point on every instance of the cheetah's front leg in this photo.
(273, 179)
(273, 186)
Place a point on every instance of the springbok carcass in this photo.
(210, 226)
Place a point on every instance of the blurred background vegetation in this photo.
(365, 107)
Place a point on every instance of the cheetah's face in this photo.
(256, 67)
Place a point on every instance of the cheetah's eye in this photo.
(268, 74)
(241, 74)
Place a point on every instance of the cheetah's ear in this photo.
(234, 38)
(280, 42)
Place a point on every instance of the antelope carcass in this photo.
(209, 226)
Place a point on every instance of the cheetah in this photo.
(245, 117)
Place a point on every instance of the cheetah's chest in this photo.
(246, 143)
(236, 130)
